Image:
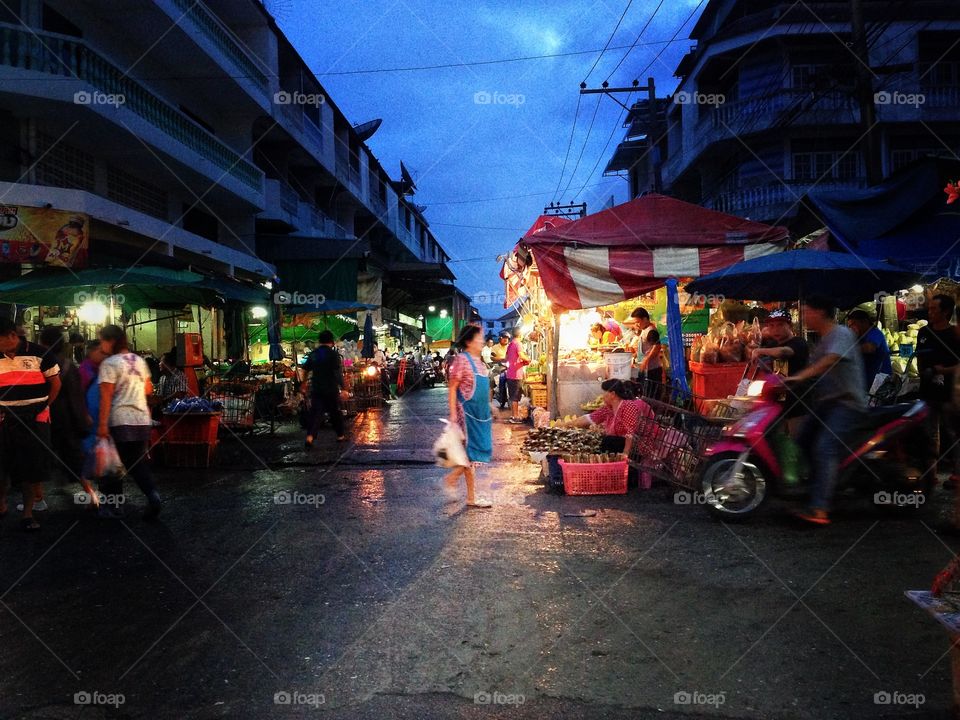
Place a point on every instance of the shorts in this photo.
(513, 390)
(26, 449)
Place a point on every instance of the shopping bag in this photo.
(448, 450)
(104, 462)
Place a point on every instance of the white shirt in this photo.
(487, 354)
(128, 373)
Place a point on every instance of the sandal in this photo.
(29, 524)
(480, 503)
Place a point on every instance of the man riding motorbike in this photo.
(836, 402)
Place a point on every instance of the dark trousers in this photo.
(328, 403)
(133, 455)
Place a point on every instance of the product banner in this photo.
(43, 236)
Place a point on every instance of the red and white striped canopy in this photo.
(631, 249)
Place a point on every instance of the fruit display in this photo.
(563, 441)
(594, 404)
(592, 459)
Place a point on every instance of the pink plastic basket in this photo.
(594, 478)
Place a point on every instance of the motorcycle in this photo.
(756, 458)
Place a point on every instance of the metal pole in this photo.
(554, 398)
(868, 110)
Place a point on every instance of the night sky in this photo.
(472, 133)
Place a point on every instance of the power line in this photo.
(639, 35)
(609, 40)
(566, 155)
(475, 63)
(477, 227)
(673, 39)
(584, 146)
(511, 197)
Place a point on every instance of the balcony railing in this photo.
(56, 55)
(758, 202)
(941, 96)
(288, 198)
(325, 225)
(213, 29)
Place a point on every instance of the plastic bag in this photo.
(448, 450)
(106, 461)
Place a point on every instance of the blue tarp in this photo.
(905, 220)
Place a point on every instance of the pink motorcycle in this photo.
(755, 457)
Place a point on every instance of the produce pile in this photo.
(594, 404)
(909, 340)
(726, 343)
(563, 441)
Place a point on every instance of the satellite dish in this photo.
(366, 130)
(407, 185)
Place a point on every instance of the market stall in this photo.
(612, 261)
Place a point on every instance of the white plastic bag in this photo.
(107, 461)
(449, 450)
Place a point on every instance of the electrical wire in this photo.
(476, 63)
(566, 155)
(583, 147)
(609, 40)
(639, 35)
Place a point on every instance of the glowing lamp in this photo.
(258, 312)
(93, 312)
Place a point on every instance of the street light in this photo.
(432, 308)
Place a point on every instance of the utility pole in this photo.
(865, 97)
(577, 210)
(653, 124)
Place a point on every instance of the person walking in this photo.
(938, 356)
(517, 360)
(69, 422)
(324, 372)
(29, 383)
(124, 415)
(468, 398)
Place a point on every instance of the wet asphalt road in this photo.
(374, 595)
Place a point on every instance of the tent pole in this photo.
(554, 399)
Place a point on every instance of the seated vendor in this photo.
(173, 381)
(600, 335)
(620, 416)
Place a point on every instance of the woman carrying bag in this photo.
(124, 415)
(469, 402)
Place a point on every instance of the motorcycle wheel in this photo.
(732, 499)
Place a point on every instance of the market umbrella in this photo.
(846, 278)
(367, 349)
(136, 287)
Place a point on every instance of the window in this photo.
(63, 166)
(200, 223)
(899, 158)
(834, 161)
(806, 76)
(135, 193)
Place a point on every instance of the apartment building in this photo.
(766, 107)
(192, 134)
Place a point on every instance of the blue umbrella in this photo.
(846, 278)
(367, 349)
(678, 362)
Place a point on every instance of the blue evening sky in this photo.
(461, 149)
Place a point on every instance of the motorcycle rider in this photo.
(836, 400)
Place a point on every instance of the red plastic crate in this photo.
(595, 478)
(189, 427)
(186, 454)
(716, 381)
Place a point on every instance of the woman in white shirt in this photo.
(124, 415)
